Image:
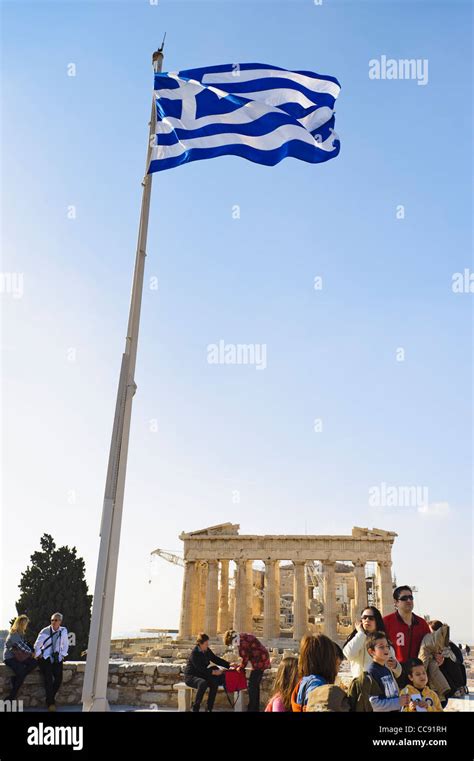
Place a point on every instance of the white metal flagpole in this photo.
(94, 693)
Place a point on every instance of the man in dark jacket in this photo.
(200, 674)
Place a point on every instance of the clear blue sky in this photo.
(331, 354)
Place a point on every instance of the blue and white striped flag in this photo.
(259, 112)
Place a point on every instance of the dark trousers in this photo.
(52, 677)
(254, 689)
(455, 673)
(201, 685)
(21, 669)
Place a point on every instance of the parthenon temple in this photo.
(282, 586)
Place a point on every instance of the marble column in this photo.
(223, 617)
(201, 597)
(186, 618)
(210, 614)
(271, 596)
(248, 596)
(360, 588)
(385, 589)
(329, 568)
(240, 596)
(232, 588)
(195, 601)
(277, 598)
(300, 610)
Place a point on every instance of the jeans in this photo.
(52, 677)
(201, 685)
(254, 689)
(21, 669)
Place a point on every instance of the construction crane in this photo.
(169, 556)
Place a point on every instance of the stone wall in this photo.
(130, 683)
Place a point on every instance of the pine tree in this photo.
(55, 582)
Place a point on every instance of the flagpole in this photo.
(94, 693)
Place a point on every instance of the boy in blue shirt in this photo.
(378, 671)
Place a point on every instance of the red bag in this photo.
(235, 680)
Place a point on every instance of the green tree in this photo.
(55, 582)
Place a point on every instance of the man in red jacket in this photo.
(404, 629)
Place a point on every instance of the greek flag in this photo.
(260, 112)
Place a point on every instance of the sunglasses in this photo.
(368, 618)
(404, 598)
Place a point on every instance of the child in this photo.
(317, 666)
(421, 697)
(285, 682)
(378, 671)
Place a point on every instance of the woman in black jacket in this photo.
(199, 674)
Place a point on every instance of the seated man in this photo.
(200, 674)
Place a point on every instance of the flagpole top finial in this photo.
(157, 57)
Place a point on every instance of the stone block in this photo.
(159, 698)
(168, 668)
(112, 695)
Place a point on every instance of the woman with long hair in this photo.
(285, 682)
(355, 648)
(18, 655)
(317, 666)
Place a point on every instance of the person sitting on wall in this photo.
(200, 674)
(250, 649)
(51, 647)
(18, 655)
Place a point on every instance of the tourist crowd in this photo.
(399, 662)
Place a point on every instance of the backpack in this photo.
(328, 697)
(360, 690)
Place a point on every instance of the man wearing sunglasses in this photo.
(51, 647)
(404, 629)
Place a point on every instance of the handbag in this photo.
(20, 655)
(235, 680)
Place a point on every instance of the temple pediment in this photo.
(221, 529)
